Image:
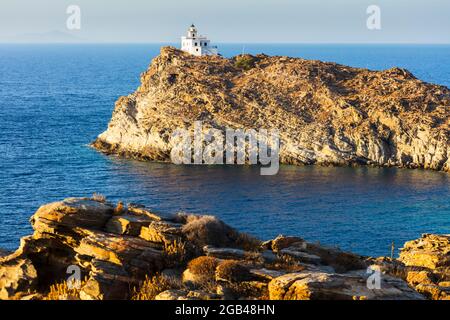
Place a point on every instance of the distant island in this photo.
(326, 113)
(129, 252)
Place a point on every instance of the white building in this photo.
(196, 44)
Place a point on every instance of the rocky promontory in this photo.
(326, 113)
(129, 252)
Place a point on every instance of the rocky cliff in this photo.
(326, 113)
(124, 252)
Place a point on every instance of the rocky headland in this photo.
(129, 252)
(326, 113)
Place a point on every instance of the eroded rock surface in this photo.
(326, 113)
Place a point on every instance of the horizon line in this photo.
(224, 43)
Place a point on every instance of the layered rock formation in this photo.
(326, 113)
(131, 252)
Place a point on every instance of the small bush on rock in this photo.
(233, 271)
(248, 242)
(204, 267)
(209, 230)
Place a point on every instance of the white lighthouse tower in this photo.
(196, 44)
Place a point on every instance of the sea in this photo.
(55, 99)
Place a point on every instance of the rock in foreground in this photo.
(133, 253)
(326, 113)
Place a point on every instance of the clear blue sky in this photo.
(324, 21)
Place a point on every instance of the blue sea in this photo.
(55, 100)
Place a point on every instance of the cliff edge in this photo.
(326, 113)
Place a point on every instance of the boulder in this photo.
(71, 213)
(326, 286)
(282, 242)
(17, 276)
(340, 260)
(433, 291)
(429, 251)
(134, 254)
(127, 224)
(224, 253)
(163, 232)
(142, 211)
(267, 274)
(300, 256)
(172, 295)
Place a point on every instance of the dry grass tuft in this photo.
(175, 252)
(286, 263)
(61, 291)
(153, 286)
(98, 197)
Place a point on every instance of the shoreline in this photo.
(117, 247)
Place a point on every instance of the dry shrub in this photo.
(153, 286)
(204, 270)
(240, 283)
(203, 267)
(98, 197)
(209, 230)
(286, 263)
(175, 252)
(61, 291)
(233, 271)
(248, 242)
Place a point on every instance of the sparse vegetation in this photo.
(62, 291)
(233, 271)
(286, 263)
(176, 252)
(245, 62)
(152, 286)
(204, 267)
(98, 197)
(208, 230)
(248, 242)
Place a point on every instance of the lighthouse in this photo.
(196, 44)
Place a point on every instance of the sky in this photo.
(236, 21)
